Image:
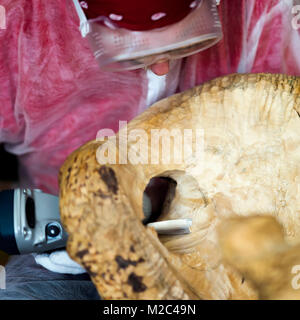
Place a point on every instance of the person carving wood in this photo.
(55, 98)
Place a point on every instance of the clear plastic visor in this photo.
(117, 49)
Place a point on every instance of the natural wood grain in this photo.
(251, 167)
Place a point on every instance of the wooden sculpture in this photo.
(247, 179)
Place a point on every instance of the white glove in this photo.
(58, 261)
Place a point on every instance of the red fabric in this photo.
(275, 37)
(224, 57)
(136, 14)
(258, 37)
(54, 98)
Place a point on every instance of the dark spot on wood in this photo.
(291, 84)
(112, 277)
(68, 175)
(104, 196)
(80, 254)
(90, 272)
(132, 248)
(109, 177)
(136, 283)
(99, 193)
(90, 245)
(123, 264)
(243, 280)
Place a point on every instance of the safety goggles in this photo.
(116, 46)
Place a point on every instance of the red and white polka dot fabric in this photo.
(139, 15)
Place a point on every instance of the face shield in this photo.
(132, 34)
(30, 222)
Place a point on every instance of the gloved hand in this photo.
(58, 261)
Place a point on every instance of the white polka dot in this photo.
(115, 17)
(158, 15)
(84, 4)
(109, 24)
(193, 4)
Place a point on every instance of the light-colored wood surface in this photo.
(256, 247)
(250, 167)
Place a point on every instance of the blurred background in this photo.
(8, 179)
